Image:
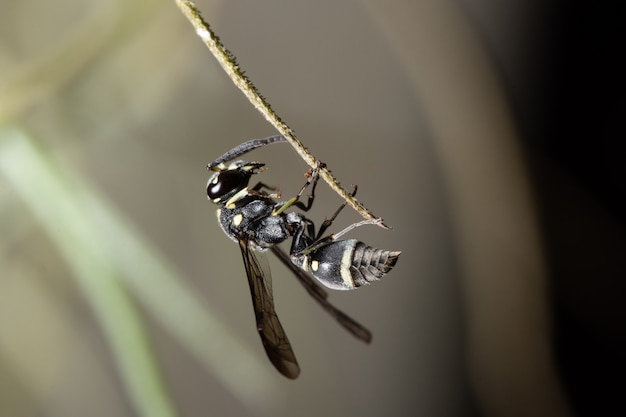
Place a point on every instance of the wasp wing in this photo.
(273, 336)
(321, 296)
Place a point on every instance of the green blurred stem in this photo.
(52, 200)
(106, 252)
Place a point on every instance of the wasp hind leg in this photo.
(327, 222)
(319, 240)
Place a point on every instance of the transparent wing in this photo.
(321, 296)
(273, 336)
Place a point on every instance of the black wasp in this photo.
(253, 218)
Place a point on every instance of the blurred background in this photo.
(483, 132)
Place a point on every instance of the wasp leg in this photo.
(355, 225)
(312, 178)
(326, 240)
(258, 190)
(262, 185)
(306, 243)
(327, 222)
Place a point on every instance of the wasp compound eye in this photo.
(226, 182)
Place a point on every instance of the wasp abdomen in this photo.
(347, 264)
(370, 264)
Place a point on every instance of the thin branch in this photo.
(229, 64)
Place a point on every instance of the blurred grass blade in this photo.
(52, 202)
(103, 248)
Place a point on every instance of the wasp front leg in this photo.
(312, 177)
(258, 190)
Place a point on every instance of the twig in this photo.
(229, 64)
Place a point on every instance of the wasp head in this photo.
(230, 180)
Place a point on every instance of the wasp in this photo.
(255, 219)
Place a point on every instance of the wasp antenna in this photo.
(245, 148)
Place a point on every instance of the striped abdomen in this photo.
(348, 264)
